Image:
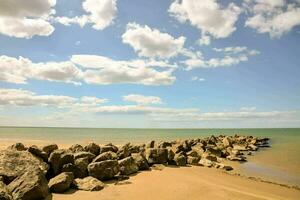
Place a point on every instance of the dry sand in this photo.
(186, 183)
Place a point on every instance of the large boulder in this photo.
(4, 193)
(84, 154)
(13, 163)
(81, 165)
(58, 158)
(76, 148)
(150, 144)
(49, 148)
(227, 141)
(192, 160)
(128, 166)
(108, 147)
(38, 152)
(157, 155)
(180, 160)
(32, 185)
(205, 162)
(104, 170)
(61, 182)
(141, 161)
(164, 144)
(92, 148)
(109, 155)
(88, 184)
(124, 151)
(213, 151)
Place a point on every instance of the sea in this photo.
(279, 163)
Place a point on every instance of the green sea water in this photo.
(281, 162)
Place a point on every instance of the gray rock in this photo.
(104, 170)
(180, 160)
(38, 152)
(18, 146)
(32, 185)
(84, 154)
(49, 148)
(58, 158)
(128, 166)
(88, 184)
(109, 155)
(157, 155)
(92, 148)
(141, 161)
(13, 163)
(76, 148)
(61, 182)
(4, 193)
(192, 160)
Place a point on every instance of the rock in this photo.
(81, 164)
(240, 148)
(18, 146)
(77, 172)
(141, 161)
(103, 170)
(236, 158)
(76, 148)
(193, 153)
(61, 182)
(13, 163)
(253, 147)
(209, 157)
(84, 154)
(223, 166)
(150, 144)
(32, 185)
(108, 147)
(180, 160)
(58, 158)
(124, 152)
(49, 148)
(128, 166)
(109, 155)
(199, 148)
(4, 193)
(192, 160)
(92, 148)
(157, 155)
(227, 142)
(88, 184)
(164, 145)
(38, 152)
(205, 162)
(213, 151)
(212, 140)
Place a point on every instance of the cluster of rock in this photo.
(33, 173)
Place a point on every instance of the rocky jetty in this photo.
(34, 172)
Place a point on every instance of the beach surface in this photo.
(182, 183)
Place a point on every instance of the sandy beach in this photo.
(186, 183)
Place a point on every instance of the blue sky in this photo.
(149, 64)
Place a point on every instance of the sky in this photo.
(150, 63)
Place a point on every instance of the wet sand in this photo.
(186, 183)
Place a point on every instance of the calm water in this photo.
(279, 163)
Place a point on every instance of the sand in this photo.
(185, 183)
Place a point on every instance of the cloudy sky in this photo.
(150, 63)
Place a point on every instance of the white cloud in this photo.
(232, 56)
(25, 19)
(103, 70)
(18, 97)
(207, 15)
(275, 17)
(152, 43)
(197, 78)
(100, 13)
(88, 99)
(142, 100)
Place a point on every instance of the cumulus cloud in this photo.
(25, 19)
(91, 69)
(100, 13)
(19, 97)
(209, 16)
(103, 70)
(152, 43)
(197, 78)
(142, 100)
(232, 56)
(274, 17)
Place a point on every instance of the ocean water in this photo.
(280, 163)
